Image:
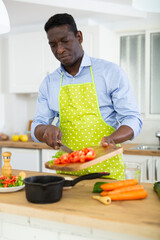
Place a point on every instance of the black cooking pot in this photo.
(48, 188)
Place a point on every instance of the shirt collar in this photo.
(86, 61)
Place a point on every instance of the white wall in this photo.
(18, 111)
(147, 135)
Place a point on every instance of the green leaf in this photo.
(58, 154)
(97, 187)
(51, 161)
(10, 185)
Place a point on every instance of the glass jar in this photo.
(133, 171)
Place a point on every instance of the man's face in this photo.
(65, 46)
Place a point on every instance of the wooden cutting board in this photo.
(102, 154)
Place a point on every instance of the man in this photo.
(91, 97)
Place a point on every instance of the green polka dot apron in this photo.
(83, 126)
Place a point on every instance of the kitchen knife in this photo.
(65, 148)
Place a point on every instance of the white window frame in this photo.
(147, 68)
(147, 115)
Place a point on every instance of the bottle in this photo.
(7, 169)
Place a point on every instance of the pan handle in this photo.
(69, 183)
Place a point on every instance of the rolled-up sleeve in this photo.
(125, 103)
(44, 115)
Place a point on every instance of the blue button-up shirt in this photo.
(115, 97)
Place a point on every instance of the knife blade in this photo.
(65, 148)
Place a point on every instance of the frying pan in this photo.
(48, 188)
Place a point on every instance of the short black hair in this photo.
(59, 20)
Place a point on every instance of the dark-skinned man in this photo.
(91, 97)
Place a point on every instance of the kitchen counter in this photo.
(19, 144)
(127, 150)
(33, 145)
(138, 218)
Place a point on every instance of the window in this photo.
(155, 73)
(140, 58)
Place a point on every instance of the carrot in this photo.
(122, 189)
(119, 184)
(133, 195)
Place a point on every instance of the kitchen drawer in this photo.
(47, 156)
(156, 169)
(23, 159)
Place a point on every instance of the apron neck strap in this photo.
(91, 76)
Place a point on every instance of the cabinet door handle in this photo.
(147, 169)
(156, 169)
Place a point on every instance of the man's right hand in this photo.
(49, 134)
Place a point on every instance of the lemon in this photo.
(20, 137)
(15, 138)
(23, 138)
(22, 174)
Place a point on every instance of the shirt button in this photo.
(73, 78)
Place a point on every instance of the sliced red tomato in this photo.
(8, 181)
(86, 154)
(71, 156)
(83, 159)
(14, 178)
(64, 158)
(75, 157)
(91, 154)
(57, 161)
(2, 177)
(82, 156)
(85, 150)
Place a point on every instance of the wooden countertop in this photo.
(139, 217)
(19, 144)
(127, 150)
(33, 145)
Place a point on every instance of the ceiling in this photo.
(107, 12)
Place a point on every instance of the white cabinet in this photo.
(47, 156)
(30, 60)
(23, 159)
(156, 168)
(150, 166)
(25, 62)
